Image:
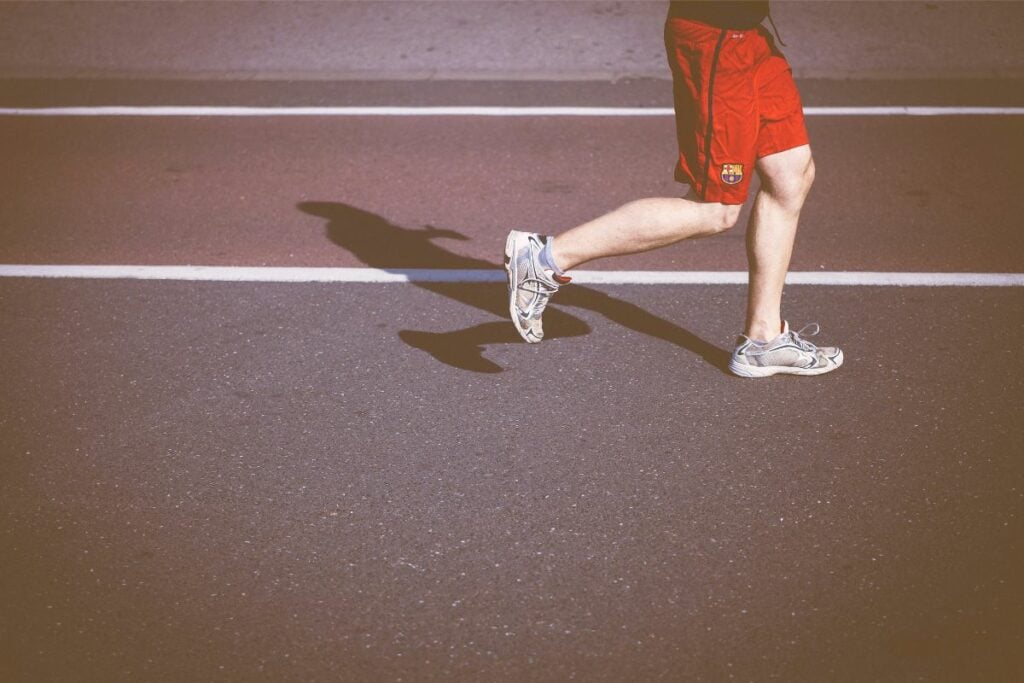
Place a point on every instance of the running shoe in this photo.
(789, 353)
(530, 284)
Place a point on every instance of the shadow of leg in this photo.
(635, 318)
(380, 244)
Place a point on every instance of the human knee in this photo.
(795, 184)
(807, 178)
(724, 217)
(790, 188)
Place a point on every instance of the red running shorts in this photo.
(735, 102)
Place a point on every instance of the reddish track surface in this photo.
(226, 191)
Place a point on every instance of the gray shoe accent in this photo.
(789, 353)
(530, 285)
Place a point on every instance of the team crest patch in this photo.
(732, 173)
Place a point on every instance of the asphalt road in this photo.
(315, 482)
(380, 482)
(206, 481)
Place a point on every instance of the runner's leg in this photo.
(641, 225)
(786, 178)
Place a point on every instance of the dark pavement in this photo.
(278, 482)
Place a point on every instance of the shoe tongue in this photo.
(785, 326)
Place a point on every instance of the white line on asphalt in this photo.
(478, 111)
(610, 277)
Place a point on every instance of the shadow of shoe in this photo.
(380, 244)
(462, 349)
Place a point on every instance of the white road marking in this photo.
(476, 111)
(609, 277)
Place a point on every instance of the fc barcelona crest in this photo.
(732, 173)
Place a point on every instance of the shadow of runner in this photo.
(463, 349)
(381, 244)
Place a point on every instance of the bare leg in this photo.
(786, 179)
(638, 226)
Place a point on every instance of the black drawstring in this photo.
(775, 30)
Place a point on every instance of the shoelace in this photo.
(543, 289)
(810, 330)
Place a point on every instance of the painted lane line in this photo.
(610, 277)
(838, 278)
(477, 111)
(252, 273)
(914, 111)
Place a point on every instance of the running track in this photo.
(209, 480)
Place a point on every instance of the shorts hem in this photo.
(729, 200)
(783, 147)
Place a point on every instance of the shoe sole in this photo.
(512, 276)
(743, 370)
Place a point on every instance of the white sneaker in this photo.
(787, 354)
(530, 285)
